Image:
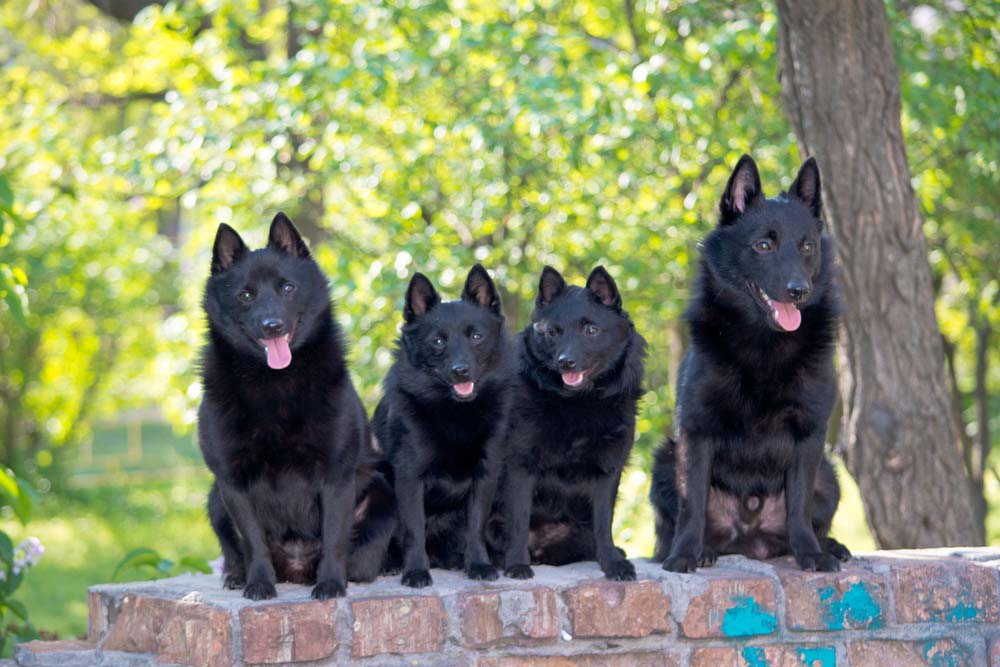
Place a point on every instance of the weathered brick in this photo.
(284, 633)
(409, 624)
(178, 631)
(734, 605)
(63, 653)
(889, 653)
(849, 600)
(994, 646)
(645, 659)
(766, 656)
(618, 609)
(520, 616)
(99, 608)
(953, 590)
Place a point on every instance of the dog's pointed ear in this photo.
(227, 249)
(742, 191)
(420, 297)
(284, 237)
(603, 286)
(807, 187)
(550, 285)
(480, 290)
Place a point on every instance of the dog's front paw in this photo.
(329, 588)
(620, 570)
(234, 581)
(836, 549)
(708, 558)
(482, 572)
(818, 562)
(519, 572)
(417, 579)
(680, 564)
(260, 590)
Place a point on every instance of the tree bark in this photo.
(840, 89)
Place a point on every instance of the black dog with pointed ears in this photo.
(296, 495)
(748, 474)
(580, 365)
(443, 422)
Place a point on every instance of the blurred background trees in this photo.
(403, 136)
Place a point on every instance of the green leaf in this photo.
(193, 563)
(6, 548)
(13, 295)
(18, 608)
(140, 557)
(6, 194)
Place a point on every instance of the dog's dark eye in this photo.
(808, 247)
(438, 342)
(476, 336)
(591, 329)
(551, 333)
(763, 247)
(288, 288)
(246, 296)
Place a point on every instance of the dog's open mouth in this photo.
(464, 390)
(279, 349)
(783, 316)
(574, 379)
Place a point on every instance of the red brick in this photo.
(177, 631)
(409, 624)
(952, 590)
(618, 609)
(525, 617)
(888, 653)
(99, 608)
(995, 652)
(67, 652)
(588, 660)
(732, 606)
(772, 656)
(849, 600)
(284, 633)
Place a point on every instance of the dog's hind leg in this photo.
(234, 568)
(374, 526)
(663, 497)
(824, 506)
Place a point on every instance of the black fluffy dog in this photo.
(281, 427)
(443, 422)
(580, 370)
(747, 474)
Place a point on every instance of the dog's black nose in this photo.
(566, 362)
(460, 372)
(273, 327)
(798, 290)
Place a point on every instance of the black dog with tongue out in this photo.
(296, 495)
(442, 422)
(580, 372)
(747, 474)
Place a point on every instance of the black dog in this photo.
(572, 428)
(443, 421)
(747, 474)
(281, 427)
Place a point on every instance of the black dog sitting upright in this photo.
(281, 427)
(572, 427)
(747, 474)
(443, 421)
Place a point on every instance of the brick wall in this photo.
(937, 608)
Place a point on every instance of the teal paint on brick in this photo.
(821, 656)
(953, 657)
(964, 610)
(746, 618)
(856, 608)
(754, 657)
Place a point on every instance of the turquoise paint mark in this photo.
(964, 610)
(754, 657)
(950, 657)
(856, 608)
(747, 618)
(822, 656)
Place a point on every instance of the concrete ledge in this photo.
(905, 608)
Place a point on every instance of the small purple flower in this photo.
(217, 565)
(27, 555)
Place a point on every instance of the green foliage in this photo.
(15, 562)
(149, 564)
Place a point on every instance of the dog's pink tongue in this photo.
(464, 388)
(788, 316)
(572, 379)
(278, 354)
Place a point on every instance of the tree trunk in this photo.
(840, 89)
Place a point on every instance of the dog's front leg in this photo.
(519, 488)
(410, 496)
(260, 575)
(696, 476)
(800, 483)
(477, 561)
(613, 564)
(337, 511)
